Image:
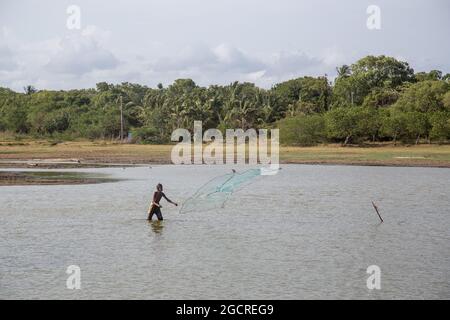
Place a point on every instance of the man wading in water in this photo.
(155, 207)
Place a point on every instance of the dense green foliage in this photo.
(374, 99)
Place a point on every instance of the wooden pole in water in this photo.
(376, 209)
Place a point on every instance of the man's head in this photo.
(159, 187)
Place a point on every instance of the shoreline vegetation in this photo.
(377, 111)
(377, 99)
(43, 154)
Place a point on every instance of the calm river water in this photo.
(307, 232)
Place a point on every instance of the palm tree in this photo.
(343, 71)
(29, 89)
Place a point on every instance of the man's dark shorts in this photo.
(155, 210)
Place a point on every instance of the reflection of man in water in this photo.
(155, 207)
(157, 226)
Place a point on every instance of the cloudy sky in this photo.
(212, 42)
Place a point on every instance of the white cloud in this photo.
(188, 58)
(292, 64)
(231, 58)
(83, 58)
(57, 63)
(222, 58)
(7, 62)
(334, 57)
(79, 54)
(156, 41)
(225, 63)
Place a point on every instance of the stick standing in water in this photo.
(376, 209)
(155, 207)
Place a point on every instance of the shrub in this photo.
(304, 130)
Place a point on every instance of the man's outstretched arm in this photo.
(168, 200)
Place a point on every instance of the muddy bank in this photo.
(21, 178)
(72, 164)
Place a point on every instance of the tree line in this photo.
(378, 98)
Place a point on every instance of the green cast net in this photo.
(214, 194)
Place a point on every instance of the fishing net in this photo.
(214, 193)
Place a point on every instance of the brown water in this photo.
(308, 232)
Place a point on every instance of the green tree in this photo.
(313, 92)
(381, 98)
(302, 130)
(29, 89)
(440, 126)
(344, 123)
(369, 73)
(424, 96)
(432, 75)
(446, 101)
(417, 125)
(13, 112)
(394, 125)
(369, 123)
(343, 71)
